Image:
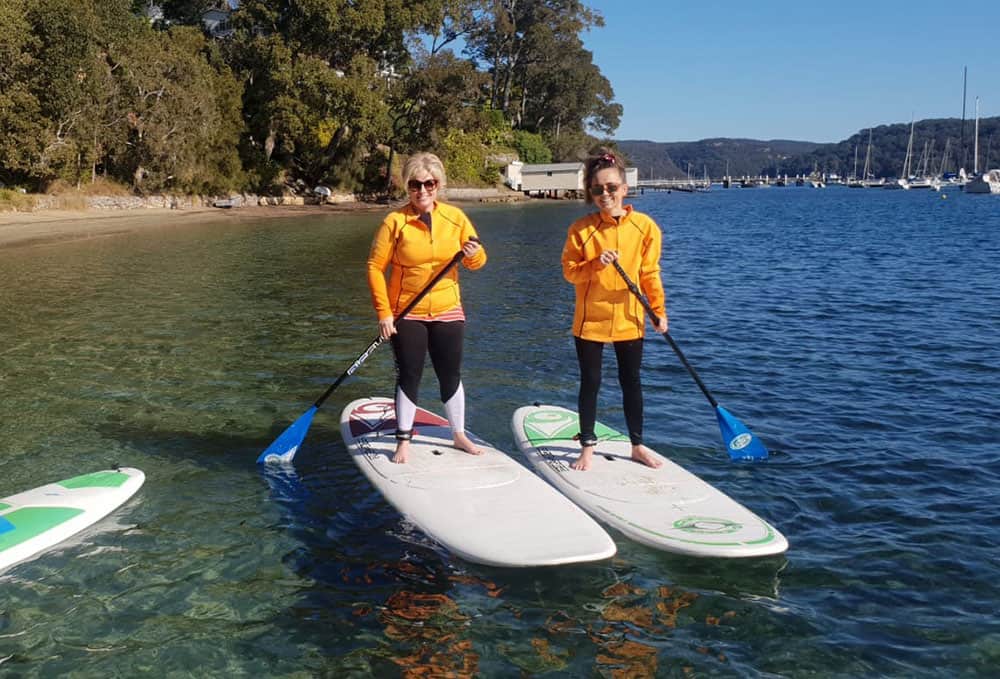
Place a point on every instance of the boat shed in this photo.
(545, 178)
(553, 178)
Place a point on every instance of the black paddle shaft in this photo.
(378, 340)
(666, 335)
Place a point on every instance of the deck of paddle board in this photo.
(487, 508)
(35, 520)
(667, 508)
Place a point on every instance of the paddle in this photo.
(283, 448)
(740, 441)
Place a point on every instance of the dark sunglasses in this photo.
(598, 189)
(428, 185)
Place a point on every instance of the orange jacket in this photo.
(416, 254)
(606, 311)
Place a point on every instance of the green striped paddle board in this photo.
(35, 520)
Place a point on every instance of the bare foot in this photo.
(582, 463)
(644, 455)
(463, 442)
(402, 450)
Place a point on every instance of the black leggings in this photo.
(442, 340)
(629, 355)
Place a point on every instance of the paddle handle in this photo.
(377, 342)
(666, 335)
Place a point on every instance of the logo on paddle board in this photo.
(706, 524)
(740, 442)
(550, 424)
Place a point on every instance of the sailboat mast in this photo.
(944, 156)
(909, 152)
(868, 154)
(975, 160)
(965, 80)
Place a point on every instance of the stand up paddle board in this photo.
(35, 520)
(667, 508)
(486, 509)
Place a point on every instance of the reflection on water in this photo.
(853, 334)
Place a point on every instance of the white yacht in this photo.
(988, 182)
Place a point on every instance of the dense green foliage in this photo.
(531, 148)
(291, 94)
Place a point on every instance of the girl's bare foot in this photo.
(402, 450)
(644, 455)
(463, 442)
(582, 463)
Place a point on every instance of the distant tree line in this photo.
(296, 94)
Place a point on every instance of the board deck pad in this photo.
(35, 520)
(668, 508)
(487, 508)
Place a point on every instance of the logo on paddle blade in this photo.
(740, 442)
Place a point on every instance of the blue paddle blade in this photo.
(283, 449)
(740, 441)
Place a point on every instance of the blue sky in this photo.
(810, 71)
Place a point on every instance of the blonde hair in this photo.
(428, 162)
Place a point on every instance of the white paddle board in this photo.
(667, 508)
(487, 509)
(35, 520)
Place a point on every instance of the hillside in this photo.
(753, 157)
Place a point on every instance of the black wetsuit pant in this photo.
(410, 345)
(629, 356)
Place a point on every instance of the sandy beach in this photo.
(19, 229)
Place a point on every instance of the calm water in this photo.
(853, 331)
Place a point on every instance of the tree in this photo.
(531, 148)
(182, 115)
(21, 121)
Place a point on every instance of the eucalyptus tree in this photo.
(352, 50)
(514, 34)
(52, 79)
(181, 114)
(567, 95)
(21, 120)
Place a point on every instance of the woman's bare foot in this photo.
(463, 442)
(582, 463)
(644, 455)
(402, 450)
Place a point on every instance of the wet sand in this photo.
(19, 229)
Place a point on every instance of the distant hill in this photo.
(742, 156)
(752, 157)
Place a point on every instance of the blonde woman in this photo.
(418, 240)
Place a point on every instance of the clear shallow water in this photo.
(853, 331)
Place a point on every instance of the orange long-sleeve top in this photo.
(416, 253)
(606, 311)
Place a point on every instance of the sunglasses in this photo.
(428, 185)
(599, 190)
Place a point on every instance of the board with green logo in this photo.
(666, 507)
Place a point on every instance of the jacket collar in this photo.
(611, 220)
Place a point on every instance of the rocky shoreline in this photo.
(458, 194)
(50, 220)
